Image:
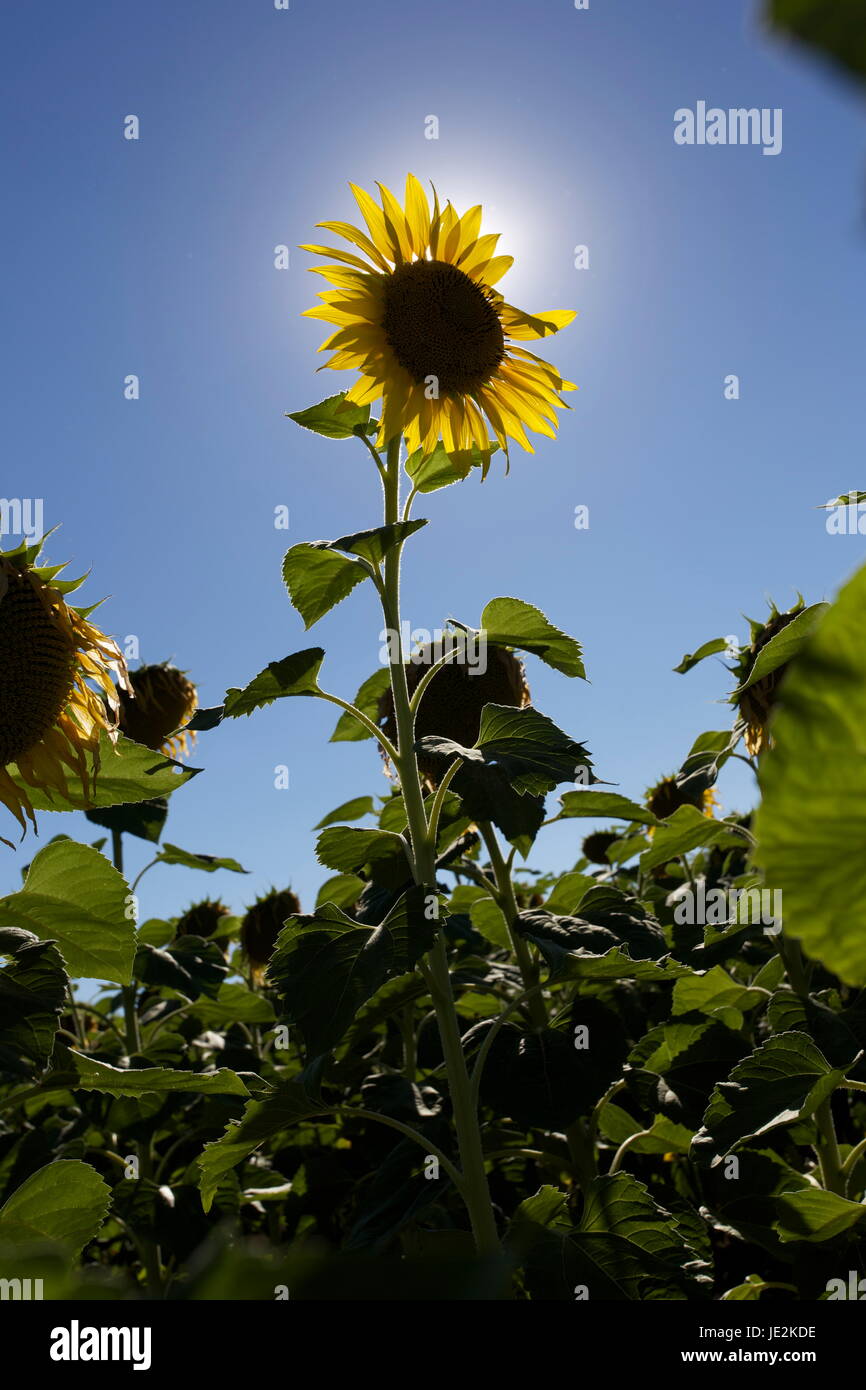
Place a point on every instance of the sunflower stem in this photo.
(476, 1192)
(130, 1017)
(508, 904)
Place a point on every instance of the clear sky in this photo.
(156, 257)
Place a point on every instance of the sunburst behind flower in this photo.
(57, 683)
(432, 338)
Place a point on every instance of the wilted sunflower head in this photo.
(160, 701)
(420, 319)
(202, 919)
(262, 925)
(51, 658)
(452, 703)
(756, 703)
(668, 795)
(597, 844)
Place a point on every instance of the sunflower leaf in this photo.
(509, 622)
(32, 994)
(783, 647)
(318, 578)
(326, 965)
(603, 804)
(812, 819)
(334, 418)
(373, 545)
(355, 809)
(171, 854)
(294, 675)
(128, 773)
(74, 897)
(784, 1080)
(712, 648)
(66, 1201)
(350, 729)
(438, 469)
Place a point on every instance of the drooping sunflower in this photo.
(57, 683)
(263, 923)
(756, 703)
(158, 702)
(421, 321)
(452, 703)
(668, 795)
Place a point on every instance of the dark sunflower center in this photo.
(36, 670)
(162, 700)
(440, 323)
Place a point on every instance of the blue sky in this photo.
(156, 257)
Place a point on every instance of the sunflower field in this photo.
(452, 1075)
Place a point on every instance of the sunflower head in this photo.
(262, 925)
(419, 318)
(597, 844)
(202, 919)
(668, 795)
(160, 701)
(57, 682)
(452, 703)
(756, 703)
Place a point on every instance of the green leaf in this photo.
(66, 1201)
(509, 622)
(627, 948)
(73, 896)
(712, 648)
(685, 830)
(127, 773)
(489, 919)
(373, 545)
(191, 966)
(834, 32)
(811, 824)
(349, 729)
(342, 890)
(624, 1248)
(714, 990)
(355, 809)
(32, 994)
(815, 1215)
(144, 819)
(291, 1102)
(347, 848)
(603, 804)
(334, 417)
(170, 854)
(319, 578)
(117, 1081)
(783, 647)
(297, 674)
(783, 1081)
(235, 1003)
(326, 965)
(438, 469)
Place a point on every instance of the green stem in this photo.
(130, 1017)
(474, 1176)
(508, 903)
(829, 1160)
(362, 718)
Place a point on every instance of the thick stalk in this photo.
(829, 1160)
(508, 903)
(130, 1017)
(476, 1191)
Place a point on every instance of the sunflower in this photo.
(421, 321)
(668, 795)
(597, 844)
(756, 703)
(452, 703)
(202, 919)
(51, 657)
(158, 702)
(262, 925)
